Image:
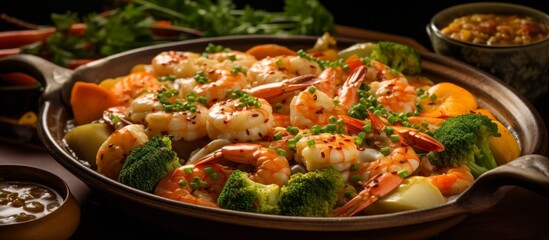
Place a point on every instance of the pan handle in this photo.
(528, 171)
(48, 74)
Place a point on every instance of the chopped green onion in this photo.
(385, 151)
(403, 173)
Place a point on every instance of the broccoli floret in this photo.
(148, 163)
(311, 194)
(466, 141)
(400, 57)
(243, 194)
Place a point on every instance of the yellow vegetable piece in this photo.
(85, 140)
(504, 148)
(414, 193)
(29, 119)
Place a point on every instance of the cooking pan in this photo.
(530, 170)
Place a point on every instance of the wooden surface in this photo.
(520, 214)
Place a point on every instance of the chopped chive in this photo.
(355, 178)
(355, 167)
(214, 176)
(310, 143)
(277, 136)
(388, 130)
(403, 173)
(182, 183)
(395, 138)
(312, 90)
(280, 152)
(385, 151)
(209, 170)
(293, 130)
(188, 170)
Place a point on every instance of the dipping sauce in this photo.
(496, 30)
(25, 201)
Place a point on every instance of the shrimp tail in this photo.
(270, 90)
(376, 188)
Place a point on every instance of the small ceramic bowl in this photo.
(60, 223)
(523, 67)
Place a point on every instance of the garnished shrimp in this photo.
(377, 71)
(220, 81)
(179, 64)
(117, 147)
(270, 167)
(311, 107)
(383, 175)
(395, 95)
(181, 125)
(141, 106)
(133, 85)
(240, 119)
(450, 180)
(233, 59)
(279, 68)
(327, 150)
(193, 184)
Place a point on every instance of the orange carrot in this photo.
(89, 100)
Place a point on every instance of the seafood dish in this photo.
(317, 132)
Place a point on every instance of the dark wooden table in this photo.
(520, 214)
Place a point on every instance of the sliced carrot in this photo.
(269, 50)
(447, 100)
(89, 100)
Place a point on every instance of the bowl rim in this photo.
(38, 173)
(475, 6)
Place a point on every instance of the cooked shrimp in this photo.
(330, 78)
(234, 119)
(327, 150)
(270, 167)
(311, 107)
(141, 106)
(281, 93)
(348, 93)
(233, 59)
(220, 81)
(117, 147)
(379, 177)
(179, 64)
(133, 85)
(377, 71)
(395, 95)
(279, 68)
(193, 184)
(450, 180)
(181, 125)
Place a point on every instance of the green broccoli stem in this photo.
(476, 170)
(486, 157)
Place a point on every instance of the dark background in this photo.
(406, 18)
